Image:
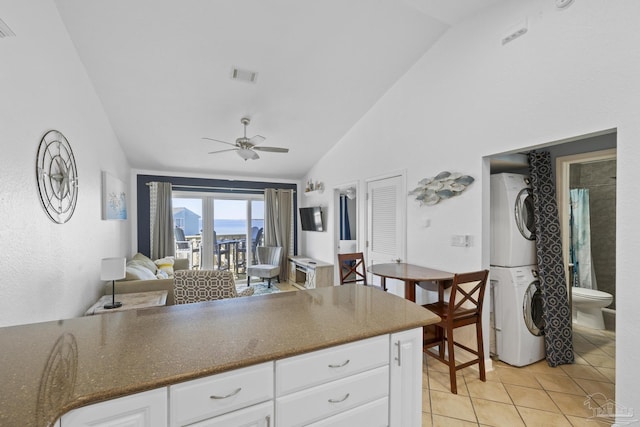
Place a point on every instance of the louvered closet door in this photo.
(386, 221)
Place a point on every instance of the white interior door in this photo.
(386, 221)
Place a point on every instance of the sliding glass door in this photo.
(223, 229)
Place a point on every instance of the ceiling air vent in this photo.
(244, 75)
(5, 31)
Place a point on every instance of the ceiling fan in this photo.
(247, 147)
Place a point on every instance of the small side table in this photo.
(130, 301)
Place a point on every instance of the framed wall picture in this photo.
(114, 198)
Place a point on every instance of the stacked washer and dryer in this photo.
(518, 324)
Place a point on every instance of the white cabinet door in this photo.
(255, 416)
(405, 404)
(147, 409)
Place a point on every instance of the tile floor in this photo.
(535, 395)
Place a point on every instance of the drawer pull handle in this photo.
(233, 393)
(268, 419)
(339, 400)
(340, 366)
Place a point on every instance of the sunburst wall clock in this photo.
(57, 177)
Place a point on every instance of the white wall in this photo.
(51, 271)
(574, 72)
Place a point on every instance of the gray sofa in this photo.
(145, 285)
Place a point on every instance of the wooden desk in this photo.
(412, 275)
(130, 301)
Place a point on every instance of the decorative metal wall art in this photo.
(442, 186)
(57, 177)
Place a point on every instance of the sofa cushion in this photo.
(138, 272)
(144, 260)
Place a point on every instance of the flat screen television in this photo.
(311, 219)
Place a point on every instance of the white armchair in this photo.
(268, 265)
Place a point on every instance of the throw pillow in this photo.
(161, 274)
(166, 265)
(146, 261)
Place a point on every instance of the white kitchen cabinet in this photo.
(405, 391)
(372, 382)
(260, 415)
(146, 409)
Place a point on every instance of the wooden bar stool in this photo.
(352, 268)
(464, 308)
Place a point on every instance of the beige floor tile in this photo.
(496, 414)
(426, 401)
(426, 420)
(538, 418)
(587, 422)
(489, 390)
(452, 405)
(542, 367)
(592, 387)
(610, 349)
(440, 421)
(560, 384)
(440, 381)
(610, 373)
(600, 360)
(517, 376)
(582, 371)
(579, 360)
(571, 404)
(531, 398)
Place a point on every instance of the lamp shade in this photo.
(113, 268)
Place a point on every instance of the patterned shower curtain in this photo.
(558, 338)
(583, 274)
(345, 227)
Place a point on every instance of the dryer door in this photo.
(532, 309)
(523, 212)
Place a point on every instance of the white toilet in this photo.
(587, 305)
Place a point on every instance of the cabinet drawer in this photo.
(211, 396)
(372, 414)
(307, 370)
(254, 416)
(322, 401)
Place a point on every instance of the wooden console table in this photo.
(309, 273)
(130, 301)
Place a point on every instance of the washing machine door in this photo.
(532, 309)
(524, 214)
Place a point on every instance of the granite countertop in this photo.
(47, 369)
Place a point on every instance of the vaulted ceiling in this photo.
(162, 69)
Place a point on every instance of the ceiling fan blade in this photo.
(217, 140)
(272, 149)
(222, 151)
(257, 139)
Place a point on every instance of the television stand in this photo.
(309, 273)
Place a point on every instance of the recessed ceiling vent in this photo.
(5, 31)
(244, 75)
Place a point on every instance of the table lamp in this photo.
(113, 269)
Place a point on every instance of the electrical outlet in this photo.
(461, 240)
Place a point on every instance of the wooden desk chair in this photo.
(352, 268)
(464, 308)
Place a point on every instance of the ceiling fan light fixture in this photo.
(247, 154)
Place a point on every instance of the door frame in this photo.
(563, 165)
(336, 220)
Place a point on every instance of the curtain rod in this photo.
(204, 187)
